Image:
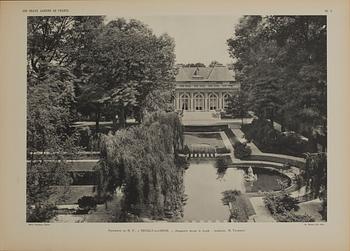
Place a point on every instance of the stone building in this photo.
(204, 88)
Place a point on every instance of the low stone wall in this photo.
(272, 167)
(278, 158)
(205, 128)
(247, 164)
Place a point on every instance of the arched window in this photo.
(184, 101)
(225, 98)
(213, 101)
(198, 102)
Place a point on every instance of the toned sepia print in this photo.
(176, 119)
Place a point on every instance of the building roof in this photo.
(200, 74)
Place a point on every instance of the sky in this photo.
(197, 38)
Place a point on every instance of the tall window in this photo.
(199, 102)
(225, 98)
(213, 101)
(184, 101)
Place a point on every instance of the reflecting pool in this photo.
(204, 187)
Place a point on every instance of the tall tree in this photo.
(237, 105)
(280, 62)
(51, 100)
(143, 161)
(129, 63)
(315, 176)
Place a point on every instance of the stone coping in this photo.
(289, 175)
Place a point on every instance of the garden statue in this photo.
(250, 176)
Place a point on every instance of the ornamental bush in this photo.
(87, 203)
(279, 203)
(242, 150)
(292, 217)
(221, 165)
(282, 206)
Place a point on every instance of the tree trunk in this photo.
(115, 122)
(98, 117)
(122, 119)
(283, 129)
(139, 115)
(313, 142)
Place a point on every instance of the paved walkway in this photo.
(198, 116)
(240, 135)
(228, 145)
(262, 213)
(208, 118)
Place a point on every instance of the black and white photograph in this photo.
(176, 118)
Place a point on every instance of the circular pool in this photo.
(268, 180)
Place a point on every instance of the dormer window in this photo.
(196, 74)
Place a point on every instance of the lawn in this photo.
(213, 139)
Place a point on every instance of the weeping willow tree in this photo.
(143, 162)
(315, 176)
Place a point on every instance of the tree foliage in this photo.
(194, 65)
(283, 207)
(280, 62)
(51, 100)
(315, 177)
(242, 150)
(237, 105)
(142, 160)
(128, 63)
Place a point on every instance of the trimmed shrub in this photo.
(87, 203)
(242, 150)
(221, 166)
(292, 217)
(282, 206)
(279, 203)
(186, 150)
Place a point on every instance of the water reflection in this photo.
(205, 182)
(204, 191)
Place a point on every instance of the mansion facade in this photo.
(204, 88)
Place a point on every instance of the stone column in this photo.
(206, 108)
(177, 107)
(191, 102)
(220, 100)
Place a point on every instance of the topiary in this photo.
(242, 150)
(87, 203)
